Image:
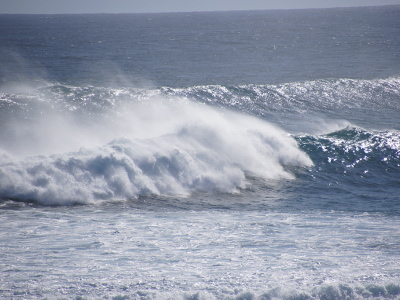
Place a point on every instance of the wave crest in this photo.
(201, 149)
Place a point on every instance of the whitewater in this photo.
(223, 155)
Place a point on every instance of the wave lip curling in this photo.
(199, 149)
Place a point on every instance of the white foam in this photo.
(168, 147)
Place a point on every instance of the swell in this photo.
(319, 95)
(319, 106)
(300, 97)
(327, 102)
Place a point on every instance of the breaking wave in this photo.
(182, 148)
(67, 144)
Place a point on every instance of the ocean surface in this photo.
(212, 155)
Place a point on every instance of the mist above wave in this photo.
(311, 107)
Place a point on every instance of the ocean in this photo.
(209, 155)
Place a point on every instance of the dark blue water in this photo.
(187, 49)
(219, 155)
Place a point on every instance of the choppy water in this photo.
(231, 155)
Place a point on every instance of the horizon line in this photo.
(193, 11)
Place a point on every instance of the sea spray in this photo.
(167, 148)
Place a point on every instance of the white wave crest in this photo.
(166, 148)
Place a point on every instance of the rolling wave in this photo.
(68, 144)
(196, 149)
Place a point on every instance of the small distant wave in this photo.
(308, 95)
(316, 102)
(299, 97)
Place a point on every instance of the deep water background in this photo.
(188, 49)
